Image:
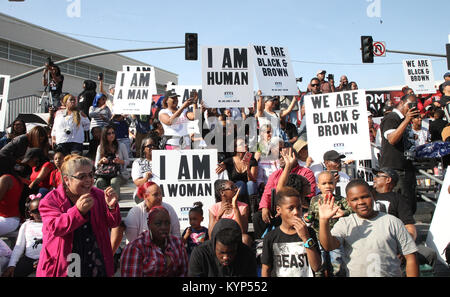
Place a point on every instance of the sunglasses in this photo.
(314, 85)
(380, 176)
(83, 176)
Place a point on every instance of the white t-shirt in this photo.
(422, 136)
(177, 129)
(370, 246)
(138, 169)
(29, 240)
(136, 221)
(64, 123)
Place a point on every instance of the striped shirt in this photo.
(142, 258)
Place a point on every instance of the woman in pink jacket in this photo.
(77, 218)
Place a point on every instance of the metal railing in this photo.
(25, 104)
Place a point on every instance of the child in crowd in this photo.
(55, 175)
(195, 234)
(5, 254)
(291, 249)
(327, 184)
(29, 241)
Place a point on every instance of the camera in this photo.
(330, 76)
(67, 131)
(299, 79)
(100, 76)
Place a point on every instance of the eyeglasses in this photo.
(233, 188)
(314, 85)
(34, 211)
(269, 132)
(83, 176)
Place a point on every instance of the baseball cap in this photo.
(31, 153)
(389, 171)
(332, 156)
(171, 94)
(321, 71)
(112, 86)
(270, 98)
(299, 144)
(446, 74)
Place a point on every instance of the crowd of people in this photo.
(309, 217)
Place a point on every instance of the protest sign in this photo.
(185, 177)
(419, 75)
(274, 71)
(185, 92)
(227, 77)
(338, 121)
(438, 236)
(134, 89)
(4, 89)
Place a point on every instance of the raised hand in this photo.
(327, 208)
(111, 197)
(85, 203)
(235, 197)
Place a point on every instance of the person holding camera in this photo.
(52, 78)
(326, 86)
(395, 129)
(68, 128)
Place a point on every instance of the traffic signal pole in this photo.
(39, 69)
(415, 53)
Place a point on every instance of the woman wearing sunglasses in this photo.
(76, 220)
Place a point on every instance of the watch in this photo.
(309, 243)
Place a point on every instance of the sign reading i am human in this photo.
(4, 90)
(419, 75)
(274, 70)
(134, 88)
(227, 77)
(185, 177)
(338, 121)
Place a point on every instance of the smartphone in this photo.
(334, 172)
(412, 105)
(247, 157)
(100, 76)
(330, 76)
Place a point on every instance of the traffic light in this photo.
(448, 55)
(191, 46)
(367, 49)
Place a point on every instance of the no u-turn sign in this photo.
(379, 49)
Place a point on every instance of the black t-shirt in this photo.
(286, 255)
(235, 176)
(395, 204)
(56, 88)
(392, 156)
(436, 128)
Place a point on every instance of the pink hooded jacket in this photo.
(60, 220)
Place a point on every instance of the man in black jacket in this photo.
(395, 128)
(224, 254)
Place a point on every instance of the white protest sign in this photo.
(185, 92)
(4, 89)
(438, 234)
(274, 71)
(419, 75)
(338, 121)
(185, 177)
(134, 89)
(227, 77)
